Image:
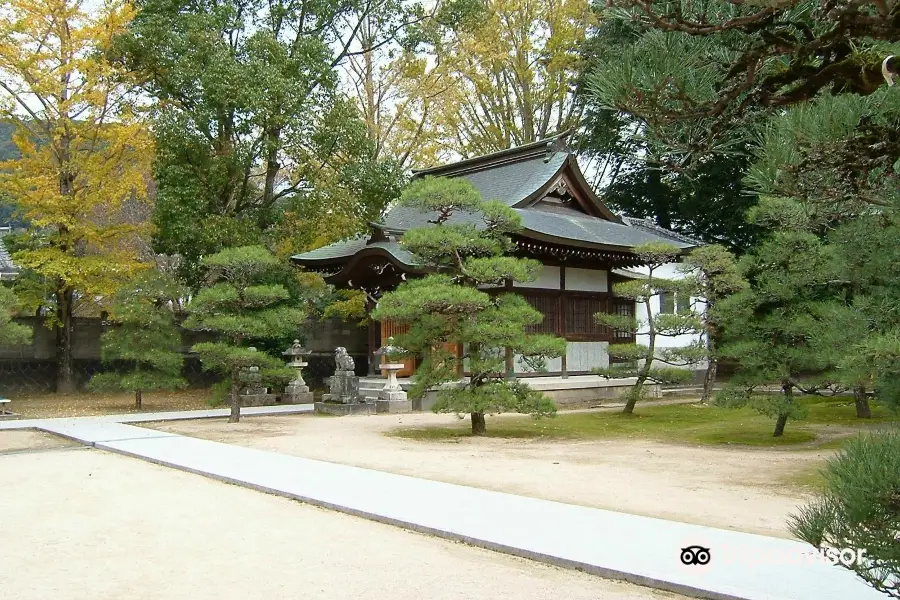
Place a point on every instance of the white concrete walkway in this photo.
(150, 417)
(639, 549)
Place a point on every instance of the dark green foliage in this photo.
(702, 195)
(240, 307)
(769, 327)
(860, 508)
(255, 143)
(694, 70)
(716, 275)
(8, 148)
(11, 333)
(707, 201)
(144, 348)
(448, 308)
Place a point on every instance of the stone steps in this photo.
(369, 387)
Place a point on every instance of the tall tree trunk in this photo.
(712, 365)
(65, 376)
(273, 139)
(788, 390)
(478, 425)
(779, 425)
(235, 396)
(138, 399)
(636, 392)
(863, 411)
(709, 380)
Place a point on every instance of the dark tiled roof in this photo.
(595, 231)
(340, 249)
(510, 184)
(347, 248)
(514, 177)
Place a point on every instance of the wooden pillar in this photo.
(374, 339)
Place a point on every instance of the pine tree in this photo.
(769, 327)
(638, 359)
(715, 275)
(468, 246)
(240, 305)
(144, 350)
(860, 508)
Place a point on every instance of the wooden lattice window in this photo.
(547, 306)
(624, 308)
(666, 303)
(580, 311)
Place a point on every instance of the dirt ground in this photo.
(44, 406)
(87, 524)
(23, 440)
(740, 489)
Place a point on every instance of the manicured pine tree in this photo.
(769, 327)
(858, 508)
(144, 349)
(714, 275)
(467, 246)
(240, 305)
(638, 360)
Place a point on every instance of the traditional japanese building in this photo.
(584, 246)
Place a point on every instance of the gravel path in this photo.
(731, 488)
(93, 525)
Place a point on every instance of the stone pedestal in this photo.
(258, 399)
(393, 406)
(296, 393)
(392, 398)
(341, 410)
(343, 388)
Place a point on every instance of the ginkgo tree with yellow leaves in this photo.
(84, 159)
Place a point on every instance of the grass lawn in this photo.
(830, 421)
(42, 406)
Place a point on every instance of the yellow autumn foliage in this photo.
(85, 156)
(84, 168)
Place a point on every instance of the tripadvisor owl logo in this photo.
(695, 555)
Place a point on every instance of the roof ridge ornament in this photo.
(558, 143)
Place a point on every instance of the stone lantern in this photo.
(392, 398)
(296, 391)
(253, 393)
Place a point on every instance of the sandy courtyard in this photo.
(735, 488)
(80, 523)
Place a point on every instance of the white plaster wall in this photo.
(584, 356)
(554, 365)
(587, 280)
(580, 356)
(669, 271)
(548, 279)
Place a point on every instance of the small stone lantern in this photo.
(392, 398)
(297, 392)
